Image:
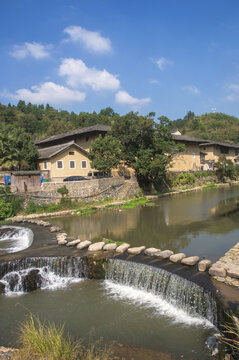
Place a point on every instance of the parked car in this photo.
(97, 175)
(75, 178)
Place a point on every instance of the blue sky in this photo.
(166, 56)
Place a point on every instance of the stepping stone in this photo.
(217, 270)
(55, 229)
(73, 242)
(96, 246)
(177, 257)
(151, 251)
(165, 254)
(136, 250)
(203, 265)
(110, 246)
(83, 244)
(122, 248)
(191, 260)
(62, 242)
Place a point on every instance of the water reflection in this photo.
(203, 223)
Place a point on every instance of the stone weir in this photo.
(55, 245)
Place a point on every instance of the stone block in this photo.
(217, 270)
(203, 265)
(165, 254)
(175, 258)
(109, 247)
(122, 248)
(136, 250)
(191, 260)
(83, 244)
(233, 272)
(73, 242)
(62, 242)
(96, 246)
(151, 251)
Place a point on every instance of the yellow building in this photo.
(66, 154)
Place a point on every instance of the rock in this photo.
(203, 265)
(83, 244)
(96, 246)
(136, 250)
(122, 248)
(177, 257)
(2, 287)
(151, 251)
(111, 246)
(12, 280)
(55, 229)
(73, 242)
(191, 260)
(233, 272)
(62, 242)
(165, 254)
(32, 280)
(217, 270)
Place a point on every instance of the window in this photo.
(236, 152)
(44, 165)
(72, 164)
(83, 164)
(224, 150)
(59, 164)
(87, 138)
(71, 153)
(193, 155)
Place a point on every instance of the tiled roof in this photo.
(188, 138)
(85, 130)
(49, 152)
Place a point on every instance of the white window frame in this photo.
(44, 165)
(60, 168)
(70, 164)
(85, 163)
(194, 155)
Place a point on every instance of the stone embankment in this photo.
(226, 269)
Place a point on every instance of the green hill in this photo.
(213, 126)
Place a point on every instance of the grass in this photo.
(209, 186)
(133, 203)
(231, 334)
(85, 211)
(110, 241)
(46, 341)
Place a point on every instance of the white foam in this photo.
(19, 238)
(50, 281)
(156, 302)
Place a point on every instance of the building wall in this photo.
(85, 141)
(25, 183)
(188, 160)
(59, 174)
(214, 151)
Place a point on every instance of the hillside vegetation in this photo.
(213, 126)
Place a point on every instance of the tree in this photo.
(105, 153)
(225, 169)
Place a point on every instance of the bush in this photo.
(31, 207)
(184, 179)
(6, 209)
(63, 190)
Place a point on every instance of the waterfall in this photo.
(158, 288)
(28, 274)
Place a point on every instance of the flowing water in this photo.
(203, 223)
(136, 305)
(14, 239)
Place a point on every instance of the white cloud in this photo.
(92, 40)
(79, 75)
(124, 98)
(154, 81)
(47, 92)
(163, 63)
(192, 89)
(36, 50)
(234, 92)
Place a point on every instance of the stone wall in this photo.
(89, 190)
